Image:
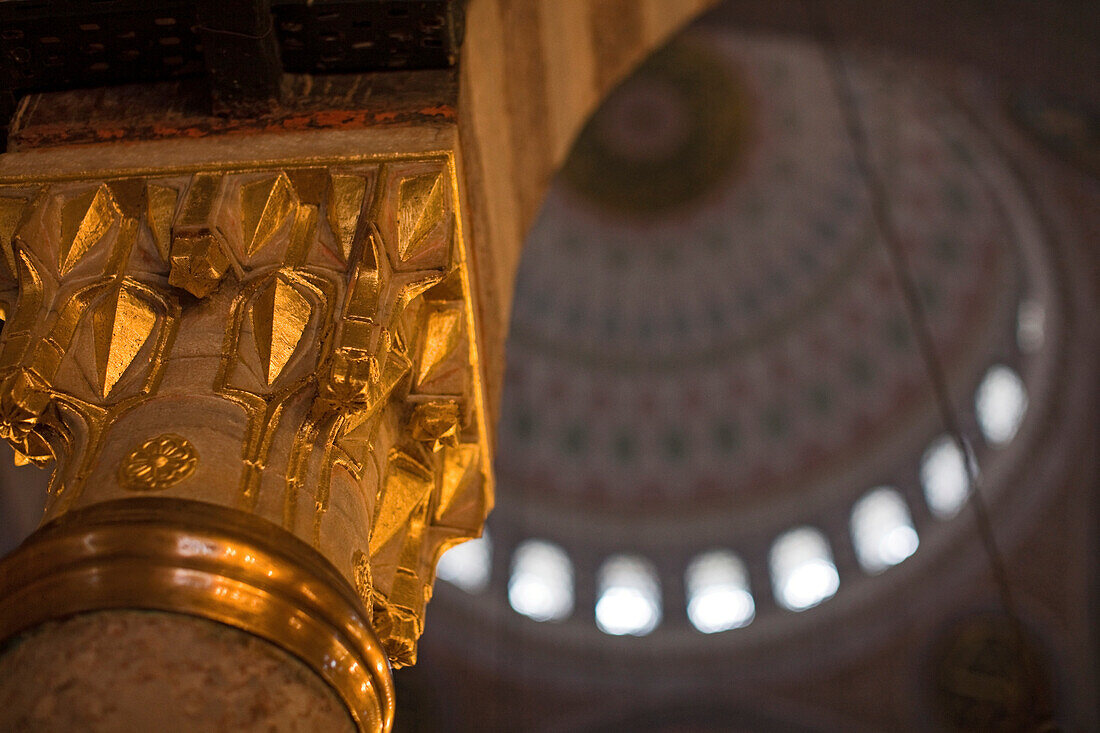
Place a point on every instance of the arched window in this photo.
(629, 596)
(718, 592)
(882, 530)
(467, 565)
(1030, 326)
(802, 569)
(943, 477)
(541, 585)
(1000, 404)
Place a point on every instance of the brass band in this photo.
(203, 560)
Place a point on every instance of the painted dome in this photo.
(717, 414)
(736, 346)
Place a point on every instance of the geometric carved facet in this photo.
(85, 218)
(419, 209)
(161, 203)
(279, 317)
(408, 484)
(439, 371)
(345, 200)
(435, 423)
(198, 250)
(459, 471)
(265, 205)
(121, 324)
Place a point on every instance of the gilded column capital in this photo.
(293, 339)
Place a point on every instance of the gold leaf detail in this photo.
(359, 427)
(199, 257)
(24, 398)
(441, 335)
(419, 209)
(158, 464)
(201, 202)
(303, 232)
(435, 423)
(310, 184)
(11, 211)
(360, 567)
(84, 220)
(412, 289)
(460, 465)
(161, 205)
(364, 293)
(280, 315)
(120, 327)
(398, 629)
(265, 205)
(357, 433)
(345, 200)
(408, 484)
(198, 264)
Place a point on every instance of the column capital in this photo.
(289, 337)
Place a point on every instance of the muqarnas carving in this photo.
(292, 341)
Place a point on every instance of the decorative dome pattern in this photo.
(734, 349)
(722, 397)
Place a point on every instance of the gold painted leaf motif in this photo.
(265, 205)
(460, 464)
(407, 485)
(442, 334)
(161, 205)
(280, 315)
(121, 324)
(419, 209)
(85, 219)
(345, 200)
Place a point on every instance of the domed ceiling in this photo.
(717, 409)
(706, 317)
(720, 455)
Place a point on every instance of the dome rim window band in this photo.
(628, 601)
(802, 569)
(540, 585)
(1000, 404)
(468, 565)
(718, 593)
(882, 530)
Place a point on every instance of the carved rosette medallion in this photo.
(158, 463)
(306, 328)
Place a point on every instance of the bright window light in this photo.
(802, 568)
(1030, 326)
(718, 592)
(1000, 403)
(629, 597)
(467, 565)
(943, 477)
(882, 530)
(541, 586)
